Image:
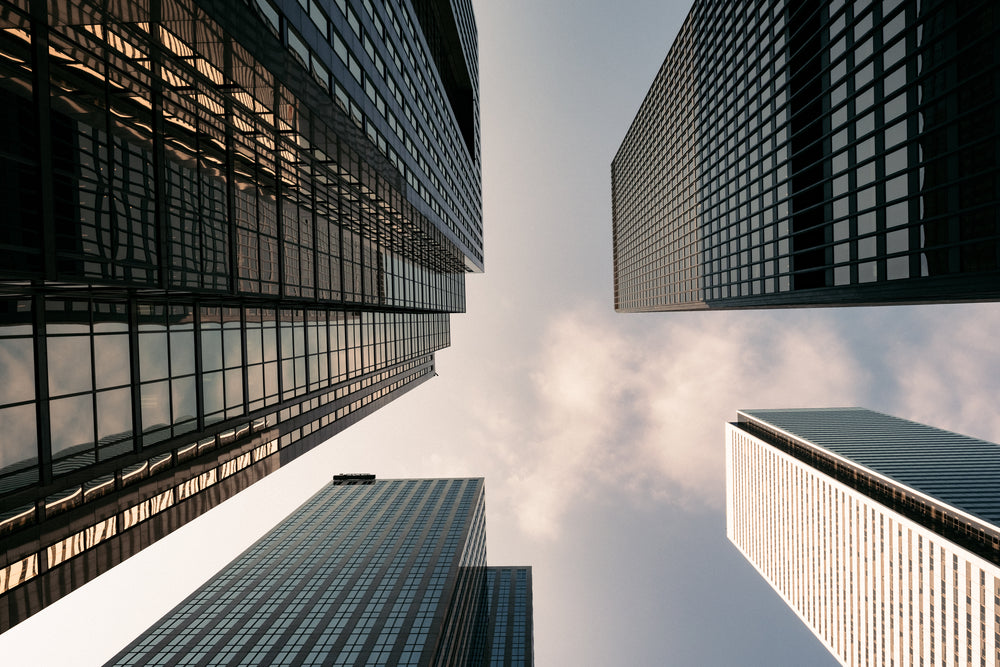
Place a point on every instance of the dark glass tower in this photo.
(504, 636)
(231, 229)
(814, 154)
(881, 534)
(386, 572)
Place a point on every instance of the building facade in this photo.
(504, 639)
(367, 572)
(814, 154)
(881, 534)
(231, 229)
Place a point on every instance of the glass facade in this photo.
(505, 639)
(233, 229)
(367, 572)
(828, 153)
(837, 510)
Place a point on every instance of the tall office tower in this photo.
(814, 153)
(504, 636)
(367, 572)
(881, 534)
(231, 229)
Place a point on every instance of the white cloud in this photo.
(637, 404)
(949, 377)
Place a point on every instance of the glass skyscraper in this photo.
(504, 635)
(820, 153)
(882, 534)
(367, 572)
(231, 229)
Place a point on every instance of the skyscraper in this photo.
(807, 154)
(881, 534)
(505, 630)
(367, 572)
(231, 229)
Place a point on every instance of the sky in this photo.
(601, 436)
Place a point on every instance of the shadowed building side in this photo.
(823, 154)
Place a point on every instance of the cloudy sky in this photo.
(600, 435)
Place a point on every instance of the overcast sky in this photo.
(600, 435)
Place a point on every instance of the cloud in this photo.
(635, 405)
(948, 377)
(588, 408)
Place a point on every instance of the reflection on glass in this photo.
(114, 415)
(72, 425)
(211, 349)
(270, 342)
(184, 404)
(155, 408)
(255, 386)
(152, 355)
(111, 361)
(17, 370)
(254, 349)
(213, 392)
(20, 444)
(69, 364)
(182, 352)
(233, 345)
(234, 388)
(271, 380)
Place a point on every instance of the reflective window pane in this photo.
(72, 424)
(69, 364)
(153, 360)
(19, 443)
(155, 405)
(181, 352)
(111, 361)
(114, 416)
(17, 370)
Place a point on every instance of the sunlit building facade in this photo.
(367, 572)
(880, 533)
(809, 154)
(231, 229)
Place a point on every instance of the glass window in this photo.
(866, 247)
(866, 174)
(211, 348)
(897, 241)
(867, 272)
(20, 440)
(842, 253)
(111, 360)
(865, 124)
(155, 409)
(185, 410)
(69, 364)
(298, 47)
(865, 149)
(213, 393)
(866, 223)
(71, 423)
(182, 351)
(17, 370)
(895, 134)
(114, 417)
(896, 188)
(895, 161)
(153, 359)
(897, 267)
(897, 214)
